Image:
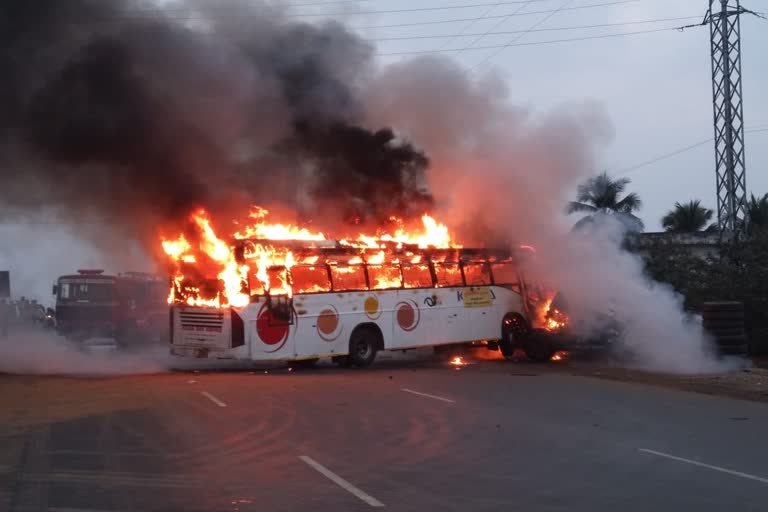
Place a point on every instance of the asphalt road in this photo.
(485, 438)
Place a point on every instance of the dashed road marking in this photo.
(213, 399)
(333, 477)
(428, 395)
(708, 466)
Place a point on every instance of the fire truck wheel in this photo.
(363, 345)
(538, 346)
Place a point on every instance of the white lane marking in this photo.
(708, 466)
(213, 399)
(428, 395)
(333, 477)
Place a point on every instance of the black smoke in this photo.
(137, 114)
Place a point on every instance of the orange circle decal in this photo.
(328, 325)
(371, 307)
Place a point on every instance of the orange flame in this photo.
(264, 267)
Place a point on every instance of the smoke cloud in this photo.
(135, 115)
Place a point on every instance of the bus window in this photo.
(384, 276)
(506, 274)
(310, 279)
(278, 280)
(476, 274)
(346, 278)
(417, 276)
(448, 274)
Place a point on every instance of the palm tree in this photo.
(757, 212)
(687, 217)
(601, 196)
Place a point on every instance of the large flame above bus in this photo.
(221, 270)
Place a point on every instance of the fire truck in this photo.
(129, 307)
(349, 304)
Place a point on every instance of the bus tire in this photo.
(514, 329)
(538, 346)
(363, 345)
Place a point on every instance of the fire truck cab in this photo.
(130, 307)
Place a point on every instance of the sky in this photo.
(655, 87)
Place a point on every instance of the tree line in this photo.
(602, 195)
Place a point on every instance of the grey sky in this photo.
(655, 87)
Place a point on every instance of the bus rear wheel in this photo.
(363, 345)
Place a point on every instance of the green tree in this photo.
(687, 217)
(757, 212)
(601, 196)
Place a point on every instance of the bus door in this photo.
(453, 319)
(478, 299)
(272, 316)
(322, 317)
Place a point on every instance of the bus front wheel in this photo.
(538, 346)
(363, 345)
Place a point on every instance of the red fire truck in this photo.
(130, 307)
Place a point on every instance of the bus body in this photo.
(473, 295)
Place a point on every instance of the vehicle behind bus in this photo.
(130, 308)
(349, 305)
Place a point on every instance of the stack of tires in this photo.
(725, 321)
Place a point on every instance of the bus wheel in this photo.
(363, 345)
(514, 329)
(538, 347)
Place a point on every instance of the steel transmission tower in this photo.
(725, 40)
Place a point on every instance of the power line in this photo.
(676, 152)
(495, 26)
(633, 168)
(514, 40)
(305, 4)
(466, 27)
(534, 43)
(192, 16)
(553, 29)
(496, 16)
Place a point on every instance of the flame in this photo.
(264, 265)
(430, 234)
(559, 356)
(458, 361)
(552, 319)
(262, 230)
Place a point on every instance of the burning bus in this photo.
(129, 307)
(287, 299)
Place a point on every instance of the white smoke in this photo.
(31, 351)
(503, 174)
(38, 249)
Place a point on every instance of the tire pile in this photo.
(725, 321)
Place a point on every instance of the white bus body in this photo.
(328, 323)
